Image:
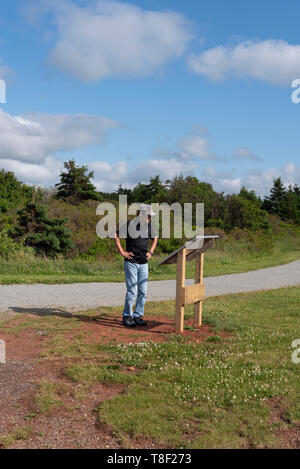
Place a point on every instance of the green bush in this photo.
(48, 236)
(167, 246)
(243, 213)
(9, 248)
(81, 221)
(252, 241)
(102, 249)
(12, 192)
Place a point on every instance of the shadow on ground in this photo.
(103, 319)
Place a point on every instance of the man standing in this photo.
(138, 232)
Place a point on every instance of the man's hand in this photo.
(127, 255)
(148, 255)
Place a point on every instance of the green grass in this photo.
(219, 393)
(92, 373)
(217, 262)
(215, 394)
(21, 433)
(47, 396)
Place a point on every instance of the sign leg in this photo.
(180, 282)
(198, 279)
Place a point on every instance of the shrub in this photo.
(167, 246)
(81, 221)
(9, 248)
(12, 192)
(48, 236)
(253, 241)
(103, 249)
(243, 213)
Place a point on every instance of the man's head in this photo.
(146, 212)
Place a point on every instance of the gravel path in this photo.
(82, 296)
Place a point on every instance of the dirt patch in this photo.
(288, 434)
(109, 328)
(74, 423)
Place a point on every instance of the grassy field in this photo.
(27, 269)
(236, 388)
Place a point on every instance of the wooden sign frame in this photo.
(192, 294)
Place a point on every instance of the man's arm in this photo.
(127, 255)
(153, 246)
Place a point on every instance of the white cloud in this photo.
(274, 61)
(292, 173)
(34, 136)
(45, 174)
(107, 177)
(209, 171)
(222, 180)
(190, 147)
(107, 38)
(262, 181)
(165, 168)
(228, 185)
(245, 154)
(195, 145)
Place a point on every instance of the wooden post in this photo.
(180, 283)
(198, 279)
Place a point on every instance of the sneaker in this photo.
(128, 321)
(140, 321)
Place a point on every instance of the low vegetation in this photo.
(240, 251)
(237, 388)
(49, 235)
(219, 394)
(21, 433)
(46, 398)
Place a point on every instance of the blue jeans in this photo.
(136, 277)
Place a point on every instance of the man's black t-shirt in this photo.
(139, 246)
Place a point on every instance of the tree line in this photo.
(25, 219)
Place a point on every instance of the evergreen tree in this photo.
(293, 204)
(48, 236)
(155, 191)
(75, 185)
(296, 191)
(124, 191)
(276, 202)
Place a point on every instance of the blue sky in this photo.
(134, 89)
